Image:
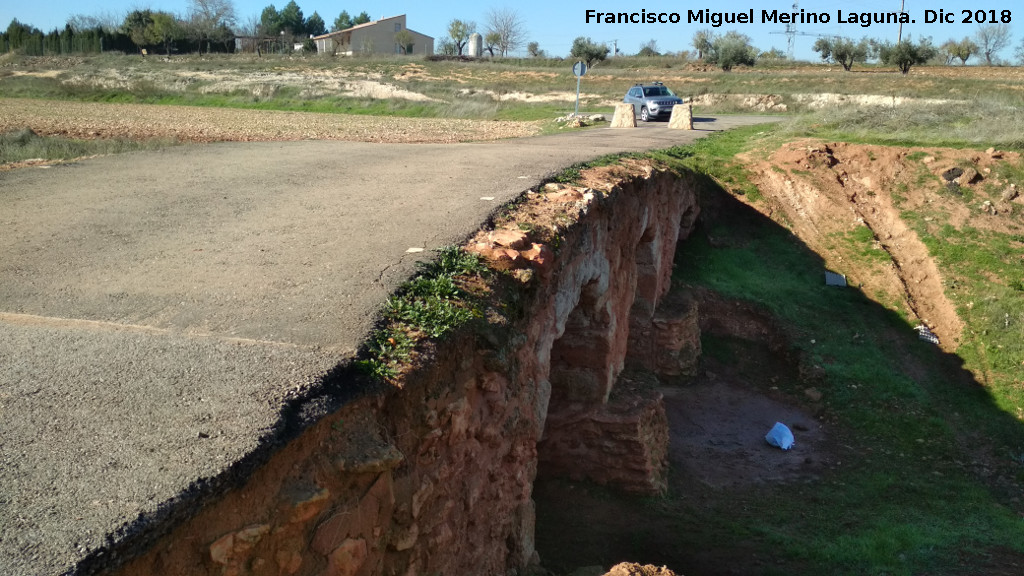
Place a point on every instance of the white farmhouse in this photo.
(377, 37)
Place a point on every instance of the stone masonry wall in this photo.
(435, 475)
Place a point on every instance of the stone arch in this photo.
(689, 218)
(581, 371)
(648, 252)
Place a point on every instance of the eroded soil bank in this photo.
(845, 201)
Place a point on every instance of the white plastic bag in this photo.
(780, 436)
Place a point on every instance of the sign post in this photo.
(579, 69)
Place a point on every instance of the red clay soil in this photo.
(823, 191)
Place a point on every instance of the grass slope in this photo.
(913, 494)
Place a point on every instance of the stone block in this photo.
(969, 176)
(514, 239)
(232, 551)
(623, 444)
(347, 559)
(359, 519)
(624, 116)
(682, 117)
(306, 504)
(1009, 194)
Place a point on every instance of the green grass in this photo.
(988, 120)
(861, 244)
(21, 145)
(902, 502)
(715, 157)
(431, 305)
(985, 280)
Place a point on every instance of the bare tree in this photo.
(701, 42)
(108, 21)
(210, 19)
(991, 39)
(509, 27)
(649, 48)
(249, 29)
(250, 26)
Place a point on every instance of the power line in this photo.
(791, 33)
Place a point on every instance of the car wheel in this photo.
(644, 115)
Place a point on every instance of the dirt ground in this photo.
(824, 191)
(718, 459)
(88, 120)
(718, 430)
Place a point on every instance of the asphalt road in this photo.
(157, 308)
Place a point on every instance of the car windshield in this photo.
(657, 91)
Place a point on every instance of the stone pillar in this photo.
(682, 117)
(476, 45)
(623, 444)
(624, 116)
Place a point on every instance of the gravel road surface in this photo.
(157, 307)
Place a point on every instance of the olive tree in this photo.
(843, 51)
(731, 49)
(404, 39)
(905, 54)
(165, 30)
(459, 31)
(587, 50)
(701, 42)
(962, 50)
(492, 40)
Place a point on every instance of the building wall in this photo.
(378, 38)
(424, 44)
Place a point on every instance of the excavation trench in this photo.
(585, 362)
(825, 191)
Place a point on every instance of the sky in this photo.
(554, 25)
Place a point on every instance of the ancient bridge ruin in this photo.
(434, 475)
(173, 355)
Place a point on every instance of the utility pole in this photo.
(791, 33)
(899, 37)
